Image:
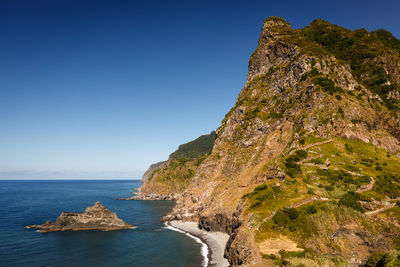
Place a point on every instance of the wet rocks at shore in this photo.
(152, 196)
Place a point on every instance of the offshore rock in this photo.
(94, 218)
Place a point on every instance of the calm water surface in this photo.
(34, 202)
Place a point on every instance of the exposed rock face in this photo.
(298, 86)
(150, 196)
(151, 169)
(94, 218)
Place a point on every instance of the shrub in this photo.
(341, 112)
(319, 161)
(356, 121)
(285, 218)
(326, 85)
(334, 176)
(348, 147)
(261, 187)
(388, 184)
(374, 259)
(351, 168)
(293, 169)
(351, 200)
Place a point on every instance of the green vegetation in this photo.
(351, 200)
(327, 85)
(335, 176)
(292, 168)
(381, 259)
(196, 148)
(318, 161)
(262, 193)
(307, 220)
(388, 184)
(182, 165)
(359, 49)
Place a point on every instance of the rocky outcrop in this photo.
(151, 196)
(151, 169)
(94, 218)
(299, 90)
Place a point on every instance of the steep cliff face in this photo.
(166, 180)
(153, 167)
(305, 166)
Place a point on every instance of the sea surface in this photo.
(30, 202)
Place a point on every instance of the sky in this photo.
(102, 89)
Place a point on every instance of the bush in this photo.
(285, 218)
(261, 187)
(326, 84)
(293, 169)
(334, 176)
(319, 161)
(388, 184)
(380, 259)
(348, 147)
(351, 200)
(374, 259)
(261, 193)
(341, 112)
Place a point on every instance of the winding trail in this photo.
(311, 145)
(368, 187)
(387, 205)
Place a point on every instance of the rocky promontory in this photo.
(94, 218)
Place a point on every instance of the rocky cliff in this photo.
(170, 178)
(153, 167)
(94, 218)
(305, 168)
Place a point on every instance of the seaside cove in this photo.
(30, 202)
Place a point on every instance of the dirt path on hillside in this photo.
(367, 187)
(311, 145)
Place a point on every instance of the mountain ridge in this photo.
(314, 136)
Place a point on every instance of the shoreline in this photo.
(213, 243)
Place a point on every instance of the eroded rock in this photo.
(94, 218)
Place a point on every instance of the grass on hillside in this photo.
(352, 164)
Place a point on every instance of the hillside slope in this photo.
(305, 168)
(164, 180)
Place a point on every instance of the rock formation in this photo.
(153, 167)
(313, 138)
(94, 218)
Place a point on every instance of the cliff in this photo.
(153, 167)
(94, 218)
(172, 177)
(305, 167)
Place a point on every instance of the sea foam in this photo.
(204, 247)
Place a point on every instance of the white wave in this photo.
(204, 247)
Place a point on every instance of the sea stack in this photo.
(94, 218)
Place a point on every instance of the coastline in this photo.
(213, 243)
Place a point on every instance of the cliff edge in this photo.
(304, 169)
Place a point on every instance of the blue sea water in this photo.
(34, 202)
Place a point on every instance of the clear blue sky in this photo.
(102, 89)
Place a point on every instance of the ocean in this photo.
(27, 202)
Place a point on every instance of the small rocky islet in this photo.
(96, 217)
